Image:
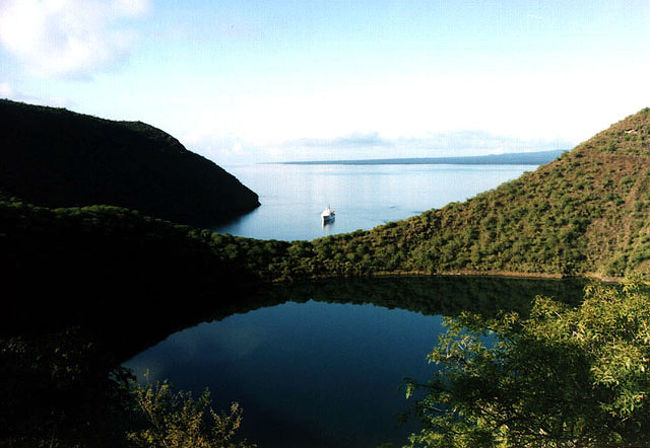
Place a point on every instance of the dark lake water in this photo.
(320, 365)
(293, 196)
(306, 374)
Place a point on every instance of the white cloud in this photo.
(132, 8)
(439, 144)
(5, 90)
(566, 105)
(233, 151)
(68, 37)
(416, 115)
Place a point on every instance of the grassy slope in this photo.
(57, 158)
(585, 213)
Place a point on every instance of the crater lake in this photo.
(321, 364)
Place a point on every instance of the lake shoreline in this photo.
(473, 273)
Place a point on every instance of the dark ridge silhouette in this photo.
(58, 158)
(106, 264)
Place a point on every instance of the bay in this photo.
(364, 196)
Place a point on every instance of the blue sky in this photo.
(244, 81)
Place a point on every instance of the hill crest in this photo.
(59, 158)
(587, 213)
(629, 136)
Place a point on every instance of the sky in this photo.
(256, 81)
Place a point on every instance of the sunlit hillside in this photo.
(585, 213)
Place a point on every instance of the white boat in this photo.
(328, 215)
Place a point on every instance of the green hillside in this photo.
(585, 213)
(57, 158)
(74, 278)
(106, 270)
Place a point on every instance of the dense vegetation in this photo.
(94, 264)
(562, 378)
(583, 214)
(113, 270)
(83, 289)
(119, 272)
(57, 158)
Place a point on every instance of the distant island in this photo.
(518, 158)
(57, 158)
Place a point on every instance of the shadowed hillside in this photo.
(57, 158)
(112, 271)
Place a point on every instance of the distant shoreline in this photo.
(519, 158)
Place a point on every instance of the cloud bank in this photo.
(5, 90)
(439, 144)
(57, 38)
(370, 146)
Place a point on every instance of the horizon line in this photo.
(514, 158)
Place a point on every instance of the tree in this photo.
(561, 378)
(173, 419)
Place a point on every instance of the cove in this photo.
(320, 364)
(293, 196)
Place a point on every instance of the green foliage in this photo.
(563, 377)
(560, 220)
(570, 217)
(103, 245)
(585, 213)
(176, 420)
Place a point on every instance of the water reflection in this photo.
(331, 369)
(310, 363)
(328, 357)
(329, 227)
